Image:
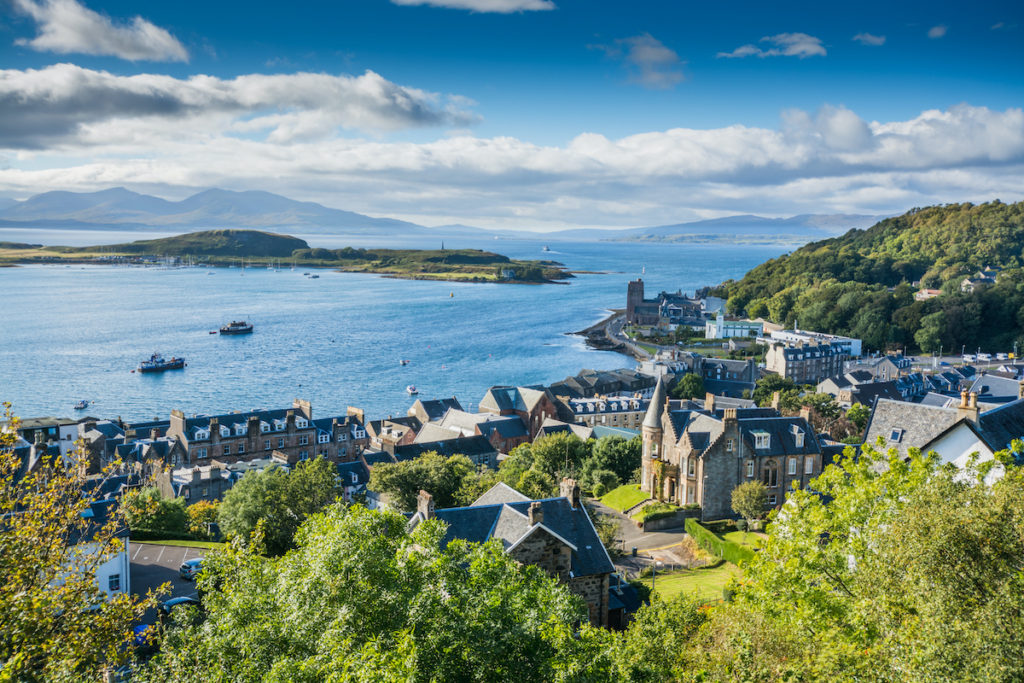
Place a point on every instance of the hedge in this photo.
(655, 511)
(718, 546)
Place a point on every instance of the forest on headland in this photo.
(863, 283)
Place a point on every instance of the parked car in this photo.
(145, 638)
(167, 607)
(189, 569)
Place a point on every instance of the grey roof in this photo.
(431, 432)
(782, 431)
(347, 469)
(993, 388)
(914, 424)
(728, 387)
(653, 418)
(999, 426)
(869, 392)
(939, 400)
(508, 522)
(603, 430)
(510, 427)
(436, 408)
(553, 426)
(500, 493)
(463, 445)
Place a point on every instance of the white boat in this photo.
(82, 405)
(412, 390)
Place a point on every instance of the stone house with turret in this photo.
(699, 456)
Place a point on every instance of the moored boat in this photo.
(236, 327)
(412, 390)
(158, 363)
(82, 405)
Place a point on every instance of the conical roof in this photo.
(653, 418)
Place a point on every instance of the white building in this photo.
(720, 328)
(793, 337)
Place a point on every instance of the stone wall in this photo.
(671, 522)
(545, 551)
(594, 590)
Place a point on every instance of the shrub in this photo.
(655, 511)
(716, 545)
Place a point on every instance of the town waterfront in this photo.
(76, 332)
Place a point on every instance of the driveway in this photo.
(652, 546)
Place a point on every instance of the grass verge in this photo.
(624, 497)
(706, 583)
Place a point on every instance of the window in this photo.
(304, 455)
(114, 582)
(200, 452)
(300, 423)
(730, 445)
(692, 468)
(188, 494)
(323, 438)
(792, 465)
(808, 465)
(798, 435)
(772, 499)
(266, 444)
(280, 442)
(264, 427)
(241, 448)
(895, 435)
(750, 468)
(771, 474)
(227, 449)
(762, 439)
(303, 440)
(342, 436)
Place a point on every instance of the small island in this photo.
(255, 248)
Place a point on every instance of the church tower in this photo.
(651, 434)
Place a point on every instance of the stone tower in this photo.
(651, 434)
(634, 297)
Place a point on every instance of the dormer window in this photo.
(264, 427)
(896, 435)
(239, 429)
(301, 423)
(798, 437)
(224, 431)
(762, 439)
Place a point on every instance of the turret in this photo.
(652, 434)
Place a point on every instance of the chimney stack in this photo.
(963, 398)
(536, 513)
(425, 505)
(776, 400)
(1020, 389)
(968, 407)
(729, 415)
(709, 402)
(569, 490)
(805, 413)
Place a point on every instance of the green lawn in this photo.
(209, 545)
(624, 497)
(707, 582)
(750, 539)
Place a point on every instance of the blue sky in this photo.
(543, 114)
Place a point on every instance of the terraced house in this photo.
(700, 456)
(609, 411)
(290, 433)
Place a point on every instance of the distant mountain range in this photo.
(123, 209)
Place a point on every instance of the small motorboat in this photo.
(546, 248)
(82, 405)
(412, 390)
(236, 327)
(403, 362)
(314, 276)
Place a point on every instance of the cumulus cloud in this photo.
(46, 106)
(782, 45)
(937, 31)
(65, 26)
(650, 62)
(830, 160)
(498, 6)
(869, 39)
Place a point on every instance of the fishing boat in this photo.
(236, 327)
(412, 390)
(158, 363)
(82, 405)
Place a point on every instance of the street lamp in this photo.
(654, 573)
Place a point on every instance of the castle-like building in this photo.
(700, 456)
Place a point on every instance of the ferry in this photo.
(412, 390)
(82, 405)
(236, 327)
(158, 363)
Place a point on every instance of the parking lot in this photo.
(153, 565)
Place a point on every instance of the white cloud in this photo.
(65, 26)
(937, 31)
(869, 39)
(782, 45)
(498, 6)
(826, 161)
(651, 63)
(42, 107)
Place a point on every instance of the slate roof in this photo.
(602, 431)
(463, 445)
(917, 424)
(995, 389)
(869, 392)
(782, 432)
(552, 426)
(500, 493)
(652, 419)
(727, 387)
(356, 467)
(431, 432)
(509, 523)
(999, 426)
(510, 427)
(939, 400)
(436, 408)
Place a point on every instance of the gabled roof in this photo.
(914, 424)
(500, 493)
(436, 408)
(432, 432)
(553, 426)
(999, 426)
(463, 445)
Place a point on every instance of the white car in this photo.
(190, 568)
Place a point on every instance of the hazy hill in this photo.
(118, 207)
(246, 243)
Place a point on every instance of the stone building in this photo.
(806, 363)
(555, 534)
(532, 404)
(700, 456)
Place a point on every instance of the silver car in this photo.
(190, 568)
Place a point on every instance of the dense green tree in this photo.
(147, 510)
(559, 455)
(766, 387)
(750, 500)
(278, 501)
(859, 414)
(616, 454)
(439, 476)
(360, 599)
(690, 386)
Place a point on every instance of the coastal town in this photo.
(755, 403)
